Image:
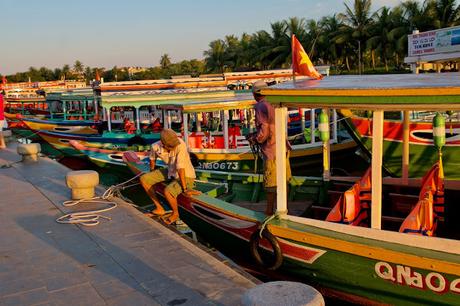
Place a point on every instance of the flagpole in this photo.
(292, 57)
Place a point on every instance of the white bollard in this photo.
(8, 135)
(282, 293)
(29, 152)
(82, 183)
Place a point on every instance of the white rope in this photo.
(91, 218)
(266, 221)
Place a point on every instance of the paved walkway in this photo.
(130, 260)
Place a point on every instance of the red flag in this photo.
(301, 63)
(98, 77)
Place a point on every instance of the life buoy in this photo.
(277, 258)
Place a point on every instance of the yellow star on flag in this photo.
(304, 59)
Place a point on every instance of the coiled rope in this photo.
(91, 218)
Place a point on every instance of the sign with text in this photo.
(437, 41)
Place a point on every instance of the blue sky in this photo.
(105, 33)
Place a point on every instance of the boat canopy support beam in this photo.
(377, 154)
(109, 119)
(185, 125)
(405, 157)
(280, 138)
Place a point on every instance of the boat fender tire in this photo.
(277, 259)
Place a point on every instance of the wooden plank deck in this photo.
(130, 260)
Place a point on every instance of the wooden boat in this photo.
(24, 106)
(142, 109)
(218, 138)
(221, 145)
(110, 156)
(64, 126)
(227, 80)
(366, 265)
(61, 141)
(420, 141)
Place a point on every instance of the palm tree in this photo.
(417, 15)
(298, 27)
(165, 61)
(78, 67)
(260, 42)
(65, 71)
(245, 60)
(445, 13)
(356, 22)
(278, 51)
(88, 74)
(380, 40)
(215, 56)
(232, 51)
(328, 49)
(314, 32)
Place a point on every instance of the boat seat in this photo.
(402, 203)
(334, 195)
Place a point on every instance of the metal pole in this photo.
(359, 56)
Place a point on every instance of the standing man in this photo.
(2, 119)
(265, 137)
(180, 173)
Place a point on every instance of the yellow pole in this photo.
(281, 164)
(405, 160)
(377, 153)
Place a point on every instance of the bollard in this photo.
(7, 135)
(282, 293)
(82, 183)
(29, 152)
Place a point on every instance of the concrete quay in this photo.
(129, 260)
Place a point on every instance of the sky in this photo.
(108, 33)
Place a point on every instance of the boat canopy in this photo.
(137, 101)
(243, 101)
(397, 92)
(376, 93)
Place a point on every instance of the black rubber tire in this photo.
(277, 258)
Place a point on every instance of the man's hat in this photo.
(169, 138)
(258, 86)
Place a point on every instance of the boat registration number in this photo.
(219, 165)
(407, 276)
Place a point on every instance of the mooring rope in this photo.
(266, 221)
(91, 218)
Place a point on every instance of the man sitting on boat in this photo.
(180, 173)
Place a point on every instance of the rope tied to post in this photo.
(91, 218)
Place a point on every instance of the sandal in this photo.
(153, 214)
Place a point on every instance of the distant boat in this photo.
(422, 151)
